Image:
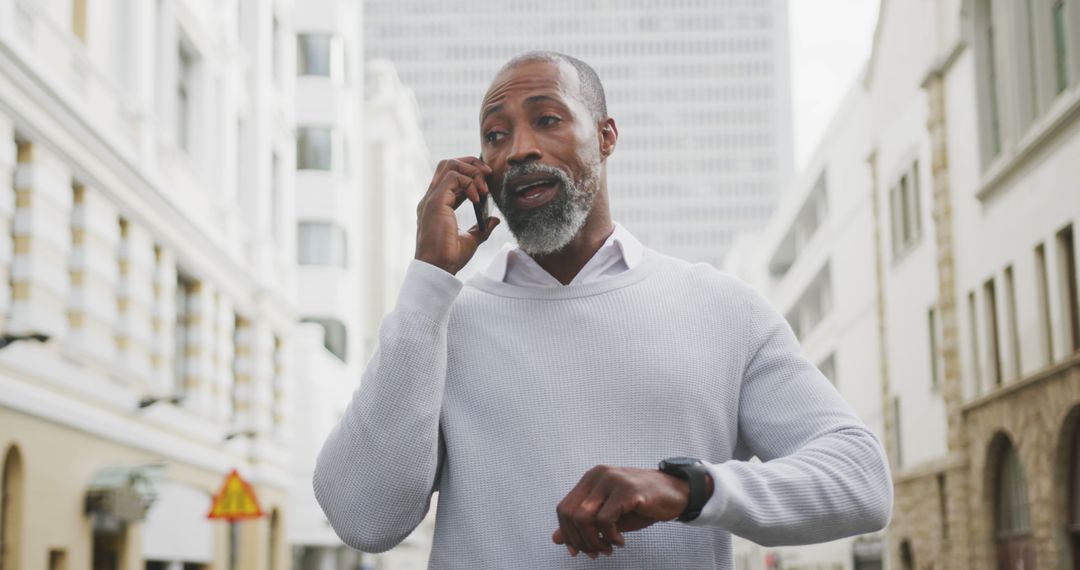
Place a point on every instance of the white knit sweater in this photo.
(501, 397)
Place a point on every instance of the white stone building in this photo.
(970, 138)
(812, 261)
(699, 89)
(145, 229)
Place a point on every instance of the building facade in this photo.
(699, 88)
(142, 254)
(969, 118)
(329, 279)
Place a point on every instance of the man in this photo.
(539, 397)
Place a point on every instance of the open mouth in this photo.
(533, 193)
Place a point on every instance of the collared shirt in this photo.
(620, 252)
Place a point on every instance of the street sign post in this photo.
(236, 501)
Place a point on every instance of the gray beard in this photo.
(550, 227)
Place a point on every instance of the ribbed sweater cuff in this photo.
(428, 290)
(720, 509)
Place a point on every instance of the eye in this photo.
(493, 136)
(548, 120)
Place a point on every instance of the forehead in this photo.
(552, 78)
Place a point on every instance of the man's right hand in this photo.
(438, 239)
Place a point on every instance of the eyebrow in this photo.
(529, 100)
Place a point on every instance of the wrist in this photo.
(695, 482)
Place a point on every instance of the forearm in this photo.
(376, 471)
(839, 485)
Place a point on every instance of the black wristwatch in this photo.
(694, 472)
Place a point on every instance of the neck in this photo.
(566, 263)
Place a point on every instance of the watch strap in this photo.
(694, 473)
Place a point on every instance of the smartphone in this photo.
(482, 208)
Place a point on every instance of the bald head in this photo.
(591, 90)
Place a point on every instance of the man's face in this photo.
(543, 145)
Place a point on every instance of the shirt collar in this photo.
(621, 245)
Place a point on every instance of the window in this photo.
(275, 197)
(11, 508)
(898, 441)
(1066, 248)
(320, 55)
(1030, 71)
(1061, 45)
(935, 352)
(987, 74)
(186, 289)
(905, 215)
(315, 148)
(973, 326)
(1012, 517)
(335, 336)
(184, 90)
(1014, 323)
(943, 506)
(321, 243)
(1042, 290)
(57, 559)
(993, 346)
(1074, 497)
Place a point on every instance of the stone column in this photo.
(279, 390)
(261, 365)
(39, 273)
(162, 325)
(199, 357)
(92, 308)
(7, 210)
(135, 301)
(955, 553)
(242, 390)
(223, 381)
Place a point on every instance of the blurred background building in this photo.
(700, 91)
(946, 245)
(139, 234)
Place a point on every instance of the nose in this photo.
(525, 147)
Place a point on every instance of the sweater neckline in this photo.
(649, 261)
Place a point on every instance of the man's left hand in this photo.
(609, 501)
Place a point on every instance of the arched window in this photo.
(907, 556)
(1012, 517)
(11, 507)
(1074, 497)
(274, 543)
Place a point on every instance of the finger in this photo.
(585, 518)
(568, 507)
(608, 516)
(453, 185)
(476, 163)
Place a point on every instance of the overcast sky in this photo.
(830, 43)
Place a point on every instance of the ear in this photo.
(608, 134)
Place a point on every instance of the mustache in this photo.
(518, 170)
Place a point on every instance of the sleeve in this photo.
(823, 474)
(379, 466)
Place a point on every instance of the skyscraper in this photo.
(699, 89)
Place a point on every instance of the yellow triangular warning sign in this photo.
(236, 500)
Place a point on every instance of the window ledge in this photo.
(1061, 113)
(905, 250)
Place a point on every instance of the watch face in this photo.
(681, 461)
